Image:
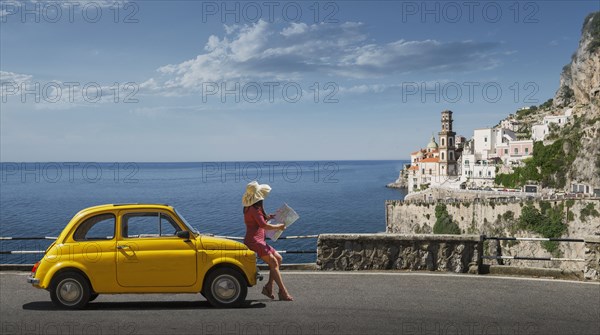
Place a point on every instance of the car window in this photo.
(135, 225)
(99, 227)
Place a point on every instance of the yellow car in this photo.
(141, 248)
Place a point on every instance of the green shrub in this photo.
(548, 222)
(547, 104)
(444, 223)
(548, 166)
(570, 216)
(508, 216)
(587, 211)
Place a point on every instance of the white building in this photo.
(487, 140)
(540, 131)
(511, 124)
(488, 148)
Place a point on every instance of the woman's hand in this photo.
(281, 226)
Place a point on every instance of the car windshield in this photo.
(187, 224)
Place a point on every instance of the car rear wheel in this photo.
(70, 290)
(225, 288)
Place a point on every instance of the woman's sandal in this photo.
(268, 293)
(286, 297)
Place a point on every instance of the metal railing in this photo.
(24, 252)
(533, 239)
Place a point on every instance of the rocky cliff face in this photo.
(580, 80)
(583, 78)
(580, 90)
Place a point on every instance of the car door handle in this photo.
(122, 247)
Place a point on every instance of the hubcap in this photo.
(69, 291)
(226, 288)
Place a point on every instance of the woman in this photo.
(256, 223)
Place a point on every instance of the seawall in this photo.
(502, 218)
(399, 252)
(443, 253)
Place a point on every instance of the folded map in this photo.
(284, 214)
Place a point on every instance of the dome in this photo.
(432, 144)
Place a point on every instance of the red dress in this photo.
(255, 232)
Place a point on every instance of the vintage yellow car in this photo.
(141, 248)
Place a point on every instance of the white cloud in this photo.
(16, 78)
(56, 94)
(365, 88)
(268, 51)
(294, 29)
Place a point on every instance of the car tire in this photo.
(70, 290)
(93, 296)
(225, 287)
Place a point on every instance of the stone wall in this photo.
(434, 193)
(500, 218)
(446, 253)
(449, 253)
(592, 258)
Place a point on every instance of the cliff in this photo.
(571, 153)
(580, 79)
(580, 89)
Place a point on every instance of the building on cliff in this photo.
(539, 131)
(437, 165)
(457, 163)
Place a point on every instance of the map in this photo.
(284, 214)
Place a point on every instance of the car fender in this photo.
(248, 274)
(60, 267)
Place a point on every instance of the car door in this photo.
(93, 245)
(149, 254)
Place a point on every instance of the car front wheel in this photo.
(225, 288)
(70, 290)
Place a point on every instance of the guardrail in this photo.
(533, 239)
(26, 252)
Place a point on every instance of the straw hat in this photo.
(254, 193)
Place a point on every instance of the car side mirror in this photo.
(184, 234)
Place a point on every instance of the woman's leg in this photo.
(279, 259)
(274, 274)
(269, 284)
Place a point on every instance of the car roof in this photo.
(105, 207)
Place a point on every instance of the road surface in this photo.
(326, 303)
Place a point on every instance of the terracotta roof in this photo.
(430, 160)
(416, 152)
(412, 168)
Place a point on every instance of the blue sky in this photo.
(182, 81)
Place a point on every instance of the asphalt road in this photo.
(326, 303)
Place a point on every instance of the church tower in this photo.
(447, 146)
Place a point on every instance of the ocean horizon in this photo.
(342, 196)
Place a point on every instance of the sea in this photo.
(39, 199)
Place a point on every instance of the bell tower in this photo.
(447, 146)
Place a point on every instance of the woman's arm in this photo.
(263, 223)
(269, 226)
